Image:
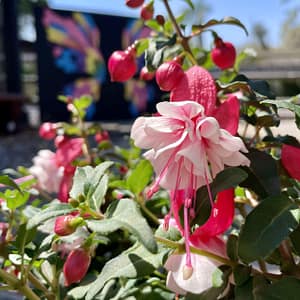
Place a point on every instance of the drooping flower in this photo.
(290, 156)
(206, 237)
(187, 149)
(65, 225)
(134, 3)
(48, 131)
(122, 65)
(198, 85)
(76, 265)
(223, 54)
(48, 173)
(147, 11)
(168, 75)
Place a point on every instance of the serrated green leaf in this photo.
(266, 226)
(96, 195)
(225, 20)
(295, 108)
(135, 262)
(140, 177)
(125, 214)
(48, 213)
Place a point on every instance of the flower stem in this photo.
(184, 41)
(15, 284)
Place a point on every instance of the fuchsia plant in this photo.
(85, 220)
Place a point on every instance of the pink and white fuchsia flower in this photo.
(187, 149)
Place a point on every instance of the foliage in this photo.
(131, 229)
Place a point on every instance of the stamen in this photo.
(187, 232)
(209, 191)
(166, 222)
(155, 186)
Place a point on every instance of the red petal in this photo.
(220, 219)
(66, 184)
(197, 85)
(68, 151)
(228, 114)
(290, 157)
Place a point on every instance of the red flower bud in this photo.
(102, 136)
(134, 3)
(290, 157)
(65, 225)
(122, 65)
(168, 75)
(160, 20)
(147, 11)
(47, 131)
(223, 54)
(145, 74)
(76, 265)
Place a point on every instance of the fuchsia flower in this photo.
(54, 171)
(183, 143)
(76, 265)
(206, 237)
(290, 156)
(48, 173)
(190, 141)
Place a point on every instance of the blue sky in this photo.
(271, 13)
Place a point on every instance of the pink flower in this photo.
(290, 156)
(187, 149)
(47, 171)
(206, 237)
(198, 85)
(48, 131)
(65, 225)
(223, 54)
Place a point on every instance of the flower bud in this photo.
(122, 65)
(76, 265)
(147, 11)
(145, 74)
(65, 225)
(223, 54)
(168, 75)
(160, 19)
(134, 3)
(102, 136)
(47, 131)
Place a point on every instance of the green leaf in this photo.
(92, 183)
(7, 181)
(232, 247)
(135, 262)
(266, 226)
(285, 288)
(15, 198)
(295, 239)
(295, 108)
(241, 274)
(142, 45)
(51, 211)
(125, 214)
(228, 178)
(244, 292)
(140, 177)
(226, 20)
(190, 3)
(263, 177)
(24, 236)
